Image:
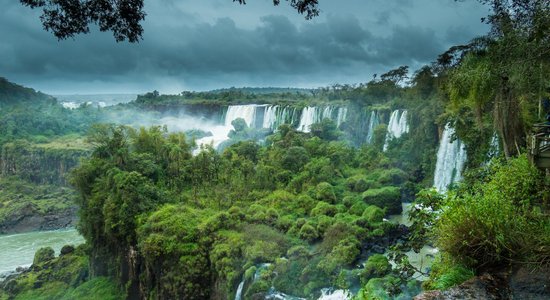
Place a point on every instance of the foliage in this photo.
(445, 274)
(386, 197)
(501, 221)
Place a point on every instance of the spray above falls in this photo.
(451, 157)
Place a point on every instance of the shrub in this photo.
(392, 177)
(446, 273)
(358, 208)
(43, 255)
(499, 221)
(376, 266)
(325, 192)
(324, 208)
(308, 232)
(387, 197)
(373, 214)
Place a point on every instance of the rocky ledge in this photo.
(513, 283)
(29, 220)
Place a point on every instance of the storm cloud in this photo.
(215, 43)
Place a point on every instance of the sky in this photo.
(211, 44)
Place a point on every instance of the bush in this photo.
(358, 208)
(308, 232)
(43, 255)
(324, 208)
(373, 214)
(387, 197)
(499, 221)
(325, 192)
(376, 266)
(392, 177)
(445, 274)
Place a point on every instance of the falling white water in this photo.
(373, 122)
(327, 112)
(270, 116)
(451, 158)
(330, 294)
(397, 126)
(238, 295)
(220, 132)
(342, 115)
(308, 117)
(247, 112)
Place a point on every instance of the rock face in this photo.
(519, 283)
(30, 220)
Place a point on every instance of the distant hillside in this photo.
(264, 90)
(11, 93)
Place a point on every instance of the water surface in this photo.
(17, 250)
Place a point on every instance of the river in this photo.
(17, 250)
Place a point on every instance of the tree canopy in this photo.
(67, 18)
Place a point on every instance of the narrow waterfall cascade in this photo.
(373, 122)
(397, 126)
(309, 116)
(238, 294)
(451, 158)
(270, 116)
(494, 146)
(342, 115)
(327, 112)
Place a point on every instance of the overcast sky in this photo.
(209, 44)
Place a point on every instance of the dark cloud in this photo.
(216, 44)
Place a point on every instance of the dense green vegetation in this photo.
(214, 216)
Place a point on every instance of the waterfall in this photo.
(238, 295)
(373, 122)
(397, 126)
(330, 294)
(342, 115)
(270, 116)
(247, 112)
(220, 132)
(308, 117)
(451, 157)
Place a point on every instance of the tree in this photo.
(67, 18)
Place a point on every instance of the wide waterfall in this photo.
(451, 158)
(373, 122)
(271, 117)
(397, 126)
